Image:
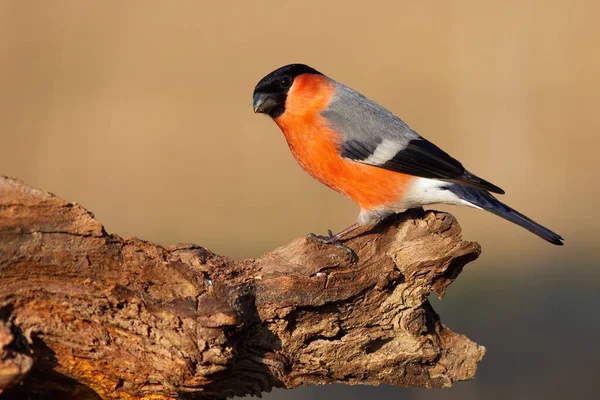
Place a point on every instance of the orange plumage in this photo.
(316, 148)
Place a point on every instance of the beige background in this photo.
(141, 111)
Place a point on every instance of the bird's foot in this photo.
(334, 240)
(329, 239)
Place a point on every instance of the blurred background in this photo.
(141, 112)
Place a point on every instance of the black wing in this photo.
(418, 157)
(375, 136)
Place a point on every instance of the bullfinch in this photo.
(360, 149)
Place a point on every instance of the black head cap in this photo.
(271, 92)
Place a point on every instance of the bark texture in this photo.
(86, 315)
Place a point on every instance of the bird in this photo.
(363, 151)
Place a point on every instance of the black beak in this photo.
(263, 103)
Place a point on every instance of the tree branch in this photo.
(92, 315)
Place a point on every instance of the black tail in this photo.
(483, 199)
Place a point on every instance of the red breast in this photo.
(316, 148)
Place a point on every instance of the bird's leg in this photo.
(335, 240)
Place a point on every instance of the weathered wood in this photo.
(87, 314)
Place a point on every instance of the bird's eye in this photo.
(285, 82)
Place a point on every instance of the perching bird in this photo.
(360, 149)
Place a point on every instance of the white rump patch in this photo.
(426, 191)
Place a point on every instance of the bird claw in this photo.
(331, 239)
(347, 250)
